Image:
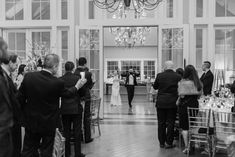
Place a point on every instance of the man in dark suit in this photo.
(6, 106)
(167, 84)
(130, 84)
(39, 96)
(9, 65)
(87, 88)
(71, 110)
(207, 78)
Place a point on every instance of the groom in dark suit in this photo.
(40, 94)
(130, 84)
(207, 78)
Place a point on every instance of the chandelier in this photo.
(129, 36)
(138, 5)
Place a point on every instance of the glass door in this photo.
(90, 47)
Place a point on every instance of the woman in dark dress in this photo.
(188, 100)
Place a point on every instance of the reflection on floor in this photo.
(129, 133)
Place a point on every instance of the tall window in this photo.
(41, 42)
(172, 46)
(225, 52)
(14, 9)
(199, 47)
(170, 8)
(64, 48)
(111, 67)
(199, 10)
(40, 9)
(16, 42)
(225, 8)
(91, 13)
(64, 9)
(149, 69)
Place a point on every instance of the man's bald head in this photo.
(169, 65)
(51, 63)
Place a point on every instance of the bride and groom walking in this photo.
(130, 84)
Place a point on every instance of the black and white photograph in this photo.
(117, 78)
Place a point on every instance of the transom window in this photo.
(225, 8)
(14, 9)
(40, 9)
(64, 9)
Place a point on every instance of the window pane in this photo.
(64, 39)
(169, 8)
(219, 49)
(166, 38)
(178, 58)
(46, 39)
(199, 8)
(91, 10)
(198, 58)
(64, 9)
(45, 10)
(199, 38)
(230, 8)
(65, 55)
(178, 38)
(36, 11)
(220, 8)
(20, 41)
(11, 41)
(166, 55)
(10, 11)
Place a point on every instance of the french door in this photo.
(90, 46)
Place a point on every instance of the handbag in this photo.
(59, 145)
(187, 87)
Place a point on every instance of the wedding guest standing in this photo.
(20, 76)
(207, 78)
(130, 84)
(71, 110)
(115, 97)
(83, 71)
(6, 105)
(188, 99)
(166, 83)
(39, 95)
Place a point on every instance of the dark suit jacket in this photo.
(89, 84)
(167, 85)
(71, 105)
(39, 96)
(127, 77)
(6, 110)
(207, 81)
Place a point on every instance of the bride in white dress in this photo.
(115, 97)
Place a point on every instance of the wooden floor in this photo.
(130, 133)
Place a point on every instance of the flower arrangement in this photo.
(37, 54)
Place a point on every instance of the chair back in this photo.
(224, 123)
(95, 108)
(199, 119)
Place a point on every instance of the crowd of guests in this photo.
(32, 101)
(174, 98)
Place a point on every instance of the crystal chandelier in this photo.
(138, 5)
(129, 36)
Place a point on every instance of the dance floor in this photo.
(130, 133)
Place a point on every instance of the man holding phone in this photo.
(83, 72)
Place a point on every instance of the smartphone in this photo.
(82, 75)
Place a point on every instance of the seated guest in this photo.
(71, 110)
(39, 96)
(207, 78)
(188, 99)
